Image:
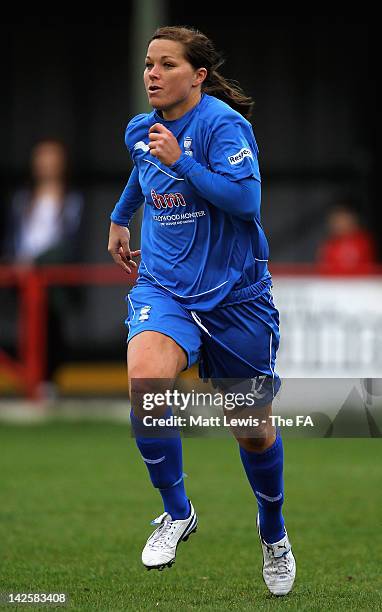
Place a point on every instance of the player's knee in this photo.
(142, 394)
(258, 441)
(146, 379)
(141, 373)
(143, 382)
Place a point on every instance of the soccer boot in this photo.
(279, 565)
(160, 549)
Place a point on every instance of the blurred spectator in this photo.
(44, 228)
(349, 247)
(45, 217)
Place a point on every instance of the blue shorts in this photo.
(238, 339)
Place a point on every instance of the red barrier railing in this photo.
(32, 282)
(29, 368)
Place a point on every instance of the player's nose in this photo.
(154, 73)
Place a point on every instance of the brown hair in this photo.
(201, 53)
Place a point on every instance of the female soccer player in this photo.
(203, 291)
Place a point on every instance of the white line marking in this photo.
(154, 460)
(198, 322)
(129, 298)
(270, 365)
(170, 175)
(269, 498)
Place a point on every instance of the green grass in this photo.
(75, 506)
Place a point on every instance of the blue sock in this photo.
(265, 474)
(163, 459)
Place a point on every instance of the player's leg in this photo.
(154, 361)
(261, 453)
(242, 344)
(162, 342)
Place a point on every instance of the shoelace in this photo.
(280, 565)
(162, 533)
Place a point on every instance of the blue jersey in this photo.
(190, 247)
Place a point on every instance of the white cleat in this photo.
(160, 549)
(279, 565)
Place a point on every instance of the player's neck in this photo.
(177, 111)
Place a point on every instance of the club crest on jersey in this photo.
(238, 157)
(144, 313)
(142, 146)
(187, 143)
(167, 200)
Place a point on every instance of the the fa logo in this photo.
(187, 145)
(144, 313)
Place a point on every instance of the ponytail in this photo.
(230, 92)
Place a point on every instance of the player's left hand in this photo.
(163, 144)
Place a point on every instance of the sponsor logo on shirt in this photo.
(238, 157)
(142, 146)
(167, 200)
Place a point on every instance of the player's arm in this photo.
(131, 199)
(237, 191)
(119, 236)
(237, 197)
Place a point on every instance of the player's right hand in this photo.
(119, 247)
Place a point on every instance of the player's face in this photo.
(172, 84)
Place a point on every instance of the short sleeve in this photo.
(233, 149)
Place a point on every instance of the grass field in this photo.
(75, 507)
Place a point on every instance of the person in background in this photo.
(43, 227)
(45, 217)
(348, 247)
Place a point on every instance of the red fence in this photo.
(32, 283)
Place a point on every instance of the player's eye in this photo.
(148, 65)
(168, 65)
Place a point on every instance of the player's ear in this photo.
(200, 76)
